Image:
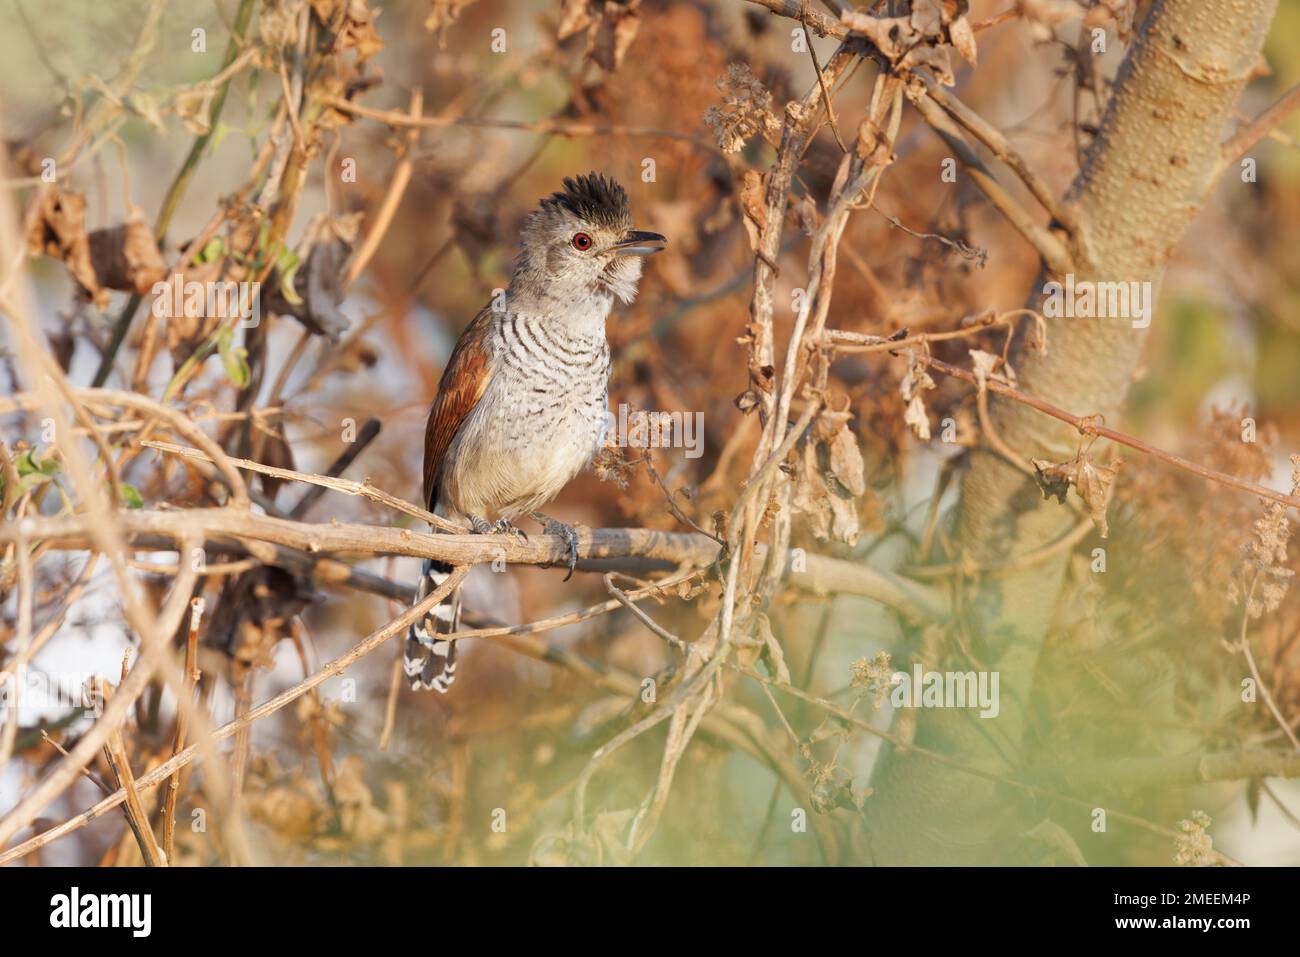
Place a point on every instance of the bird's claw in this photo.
(552, 526)
(501, 526)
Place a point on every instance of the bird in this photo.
(522, 404)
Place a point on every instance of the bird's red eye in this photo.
(581, 242)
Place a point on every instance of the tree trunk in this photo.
(1147, 174)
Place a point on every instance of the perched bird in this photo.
(522, 404)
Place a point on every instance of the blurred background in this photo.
(531, 92)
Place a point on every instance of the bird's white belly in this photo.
(512, 457)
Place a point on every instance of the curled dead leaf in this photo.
(610, 25)
(914, 382)
(1091, 481)
(317, 282)
(353, 25)
(59, 230)
(830, 480)
(963, 39)
(194, 108)
(916, 419)
(921, 38)
(126, 257)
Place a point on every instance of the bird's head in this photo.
(581, 241)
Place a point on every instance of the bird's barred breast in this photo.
(537, 425)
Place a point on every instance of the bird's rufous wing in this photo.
(463, 383)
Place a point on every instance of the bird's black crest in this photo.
(594, 198)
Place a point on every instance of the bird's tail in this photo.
(430, 662)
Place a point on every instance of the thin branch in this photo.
(177, 420)
(149, 529)
(798, 10)
(826, 96)
(990, 136)
(155, 647)
(625, 600)
(1243, 645)
(159, 774)
(400, 120)
(347, 486)
(1261, 126)
(907, 747)
(1055, 255)
(178, 739)
(1087, 425)
(119, 763)
(383, 218)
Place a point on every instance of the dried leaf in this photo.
(126, 257)
(1091, 481)
(294, 810)
(194, 108)
(983, 365)
(613, 35)
(846, 465)
(1054, 480)
(574, 18)
(916, 40)
(60, 231)
(830, 480)
(352, 21)
(892, 36)
(611, 26)
(772, 655)
(805, 210)
(318, 285)
(935, 59)
(835, 790)
(276, 452)
(963, 39)
(1093, 485)
(443, 13)
(916, 419)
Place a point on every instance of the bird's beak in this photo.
(636, 242)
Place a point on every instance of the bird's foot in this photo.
(502, 526)
(566, 532)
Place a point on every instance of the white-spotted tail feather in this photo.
(430, 661)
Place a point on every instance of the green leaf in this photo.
(213, 250)
(234, 358)
(131, 497)
(288, 264)
(34, 471)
